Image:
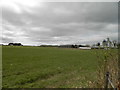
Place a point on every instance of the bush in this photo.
(110, 65)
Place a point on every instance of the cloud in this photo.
(19, 6)
(6, 40)
(62, 11)
(60, 23)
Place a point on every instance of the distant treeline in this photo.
(73, 46)
(48, 46)
(65, 46)
(14, 44)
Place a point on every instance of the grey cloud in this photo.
(6, 40)
(83, 12)
(66, 22)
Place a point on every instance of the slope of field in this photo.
(45, 67)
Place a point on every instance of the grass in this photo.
(110, 65)
(45, 67)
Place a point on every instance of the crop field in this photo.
(47, 67)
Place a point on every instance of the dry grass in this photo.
(110, 65)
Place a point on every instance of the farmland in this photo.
(46, 67)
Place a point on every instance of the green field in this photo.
(47, 67)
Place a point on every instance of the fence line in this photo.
(111, 83)
(108, 81)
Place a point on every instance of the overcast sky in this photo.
(33, 22)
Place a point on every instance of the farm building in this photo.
(84, 47)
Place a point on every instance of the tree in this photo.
(98, 44)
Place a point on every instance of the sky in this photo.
(32, 22)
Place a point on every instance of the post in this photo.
(106, 81)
